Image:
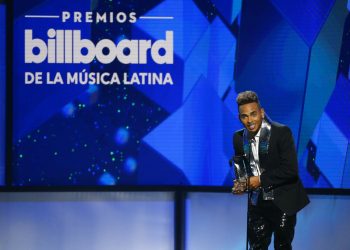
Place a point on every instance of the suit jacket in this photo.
(281, 169)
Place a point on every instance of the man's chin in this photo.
(252, 132)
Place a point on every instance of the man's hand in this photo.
(239, 187)
(254, 182)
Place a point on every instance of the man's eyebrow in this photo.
(248, 113)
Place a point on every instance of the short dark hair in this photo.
(247, 97)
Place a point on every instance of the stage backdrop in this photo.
(143, 92)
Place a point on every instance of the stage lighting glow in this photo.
(130, 165)
(121, 136)
(107, 179)
(68, 110)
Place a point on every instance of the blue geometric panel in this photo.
(338, 106)
(214, 53)
(306, 16)
(36, 104)
(309, 172)
(230, 104)
(340, 117)
(167, 96)
(155, 168)
(331, 151)
(228, 9)
(197, 63)
(221, 57)
(272, 60)
(225, 75)
(322, 73)
(212, 57)
(346, 174)
(258, 19)
(192, 137)
(188, 24)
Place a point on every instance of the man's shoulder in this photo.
(277, 124)
(279, 127)
(238, 132)
(237, 140)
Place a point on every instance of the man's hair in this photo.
(247, 97)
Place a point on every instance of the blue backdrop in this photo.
(294, 54)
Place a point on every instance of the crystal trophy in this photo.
(241, 175)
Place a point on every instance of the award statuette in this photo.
(241, 174)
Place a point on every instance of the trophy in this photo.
(241, 174)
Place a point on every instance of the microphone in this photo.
(236, 159)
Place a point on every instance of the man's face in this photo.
(251, 116)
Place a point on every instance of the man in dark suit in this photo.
(276, 192)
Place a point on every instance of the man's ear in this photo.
(262, 113)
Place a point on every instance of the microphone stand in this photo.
(231, 162)
(246, 241)
(248, 196)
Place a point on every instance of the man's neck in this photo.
(252, 135)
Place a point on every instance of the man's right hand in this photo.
(238, 187)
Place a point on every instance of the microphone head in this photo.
(238, 158)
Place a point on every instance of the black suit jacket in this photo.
(281, 169)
